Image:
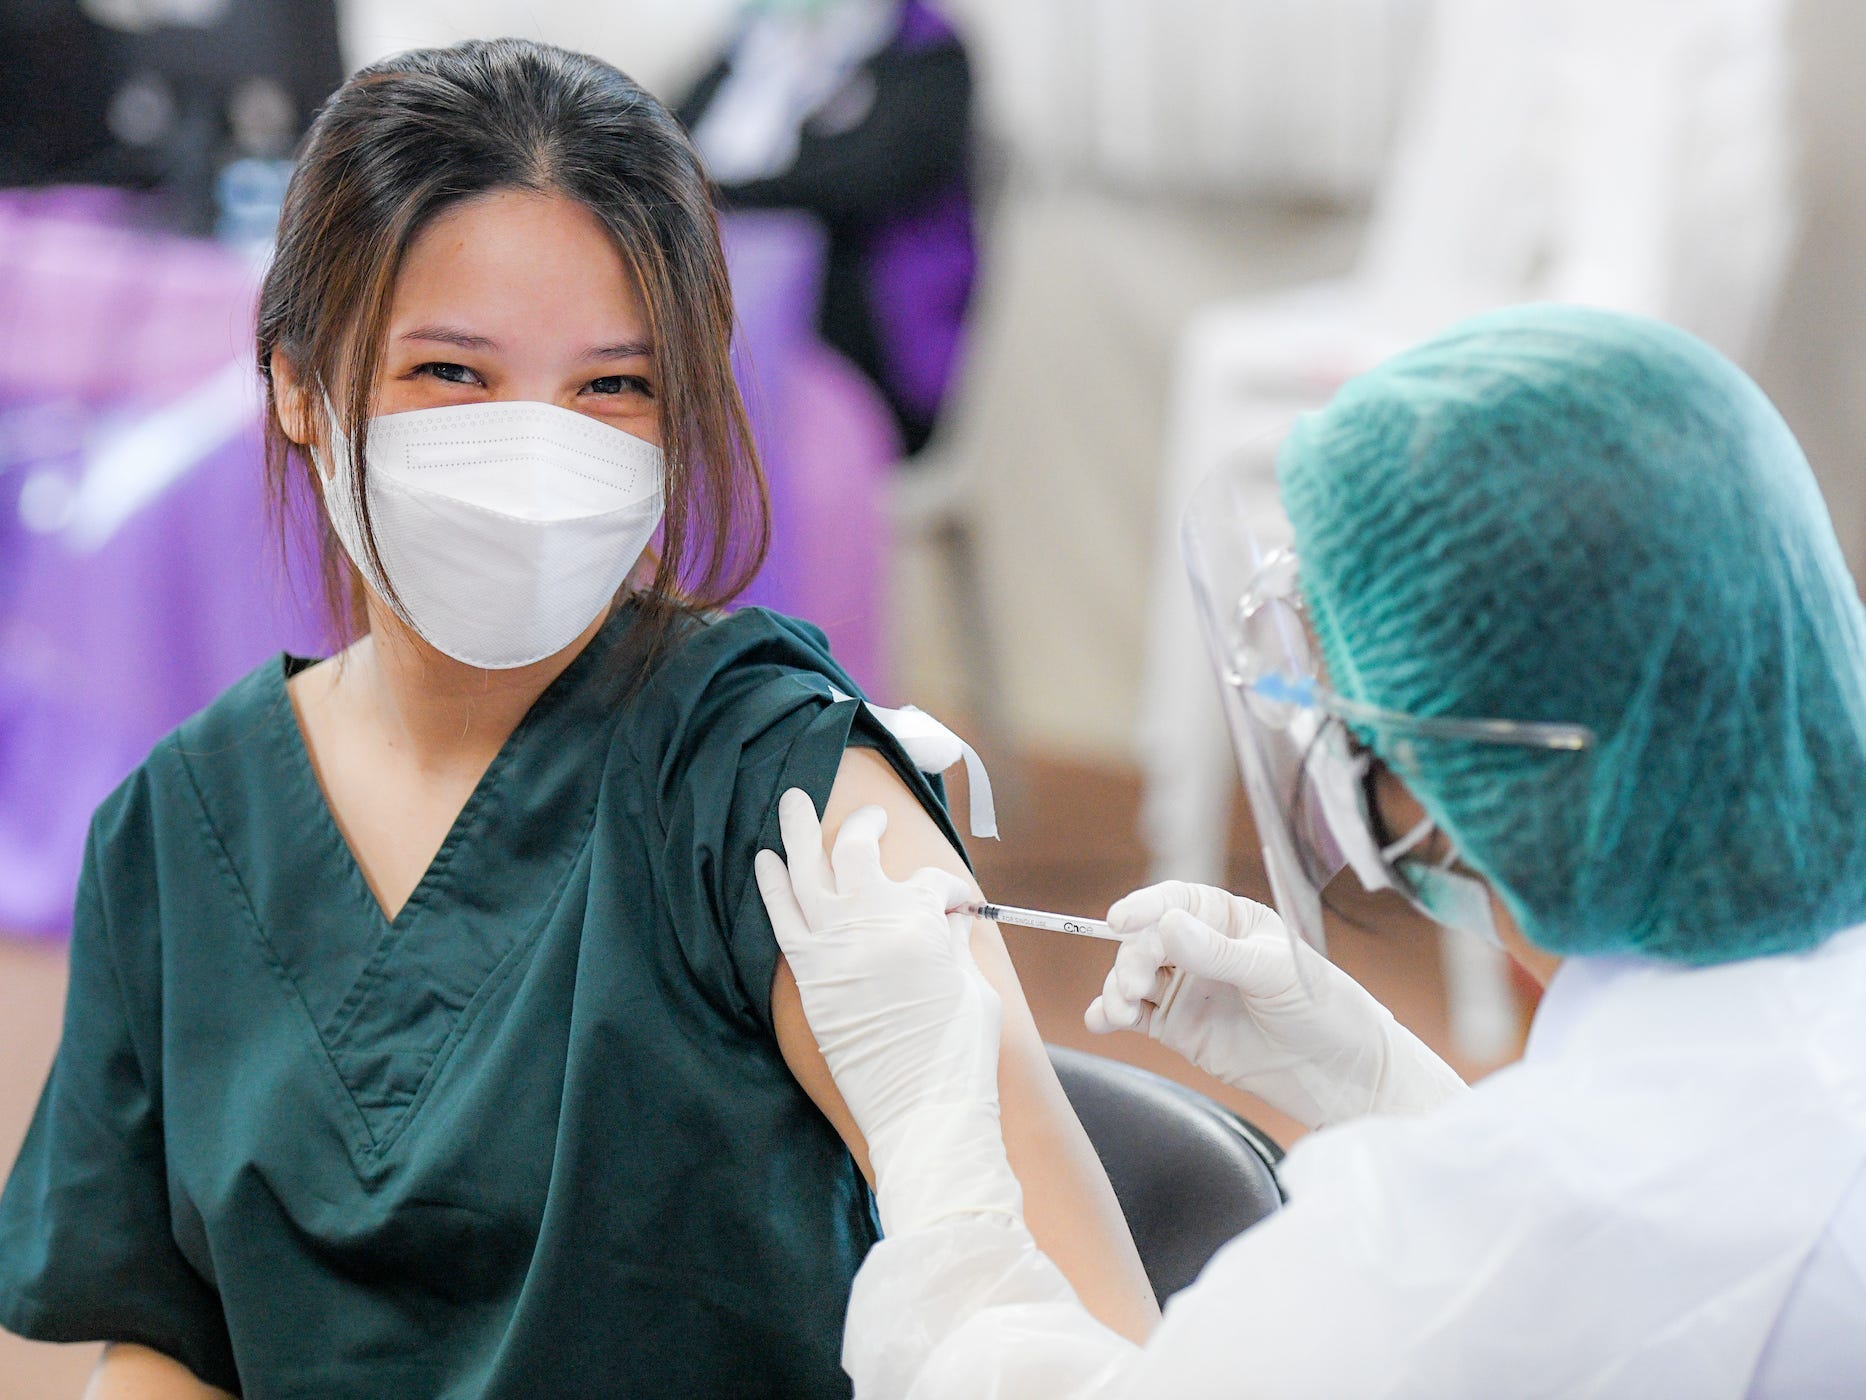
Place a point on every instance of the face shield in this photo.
(1309, 757)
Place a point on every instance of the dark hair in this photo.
(410, 136)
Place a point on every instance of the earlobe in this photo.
(293, 401)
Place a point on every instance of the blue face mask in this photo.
(1457, 901)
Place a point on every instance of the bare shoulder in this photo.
(131, 1372)
(913, 840)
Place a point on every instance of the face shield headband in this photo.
(1306, 753)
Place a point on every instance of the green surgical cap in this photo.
(1571, 515)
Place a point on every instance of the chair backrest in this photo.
(1189, 1173)
(1464, 203)
(1678, 197)
(1631, 153)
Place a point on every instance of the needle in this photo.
(1036, 918)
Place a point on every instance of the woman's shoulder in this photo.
(229, 738)
(248, 704)
(732, 693)
(713, 644)
(750, 659)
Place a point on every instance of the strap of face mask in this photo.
(1411, 841)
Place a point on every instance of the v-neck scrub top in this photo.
(532, 1137)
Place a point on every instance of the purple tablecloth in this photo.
(139, 572)
(136, 572)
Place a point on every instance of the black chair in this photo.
(1189, 1173)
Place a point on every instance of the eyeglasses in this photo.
(1274, 661)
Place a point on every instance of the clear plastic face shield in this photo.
(1312, 779)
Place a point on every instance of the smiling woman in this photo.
(426, 1033)
(415, 225)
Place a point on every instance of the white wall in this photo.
(1814, 365)
(659, 43)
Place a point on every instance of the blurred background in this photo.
(1012, 275)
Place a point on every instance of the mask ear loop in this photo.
(1366, 759)
(1392, 852)
(1411, 841)
(333, 430)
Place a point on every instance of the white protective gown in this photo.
(1664, 1199)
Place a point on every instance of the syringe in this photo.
(1036, 918)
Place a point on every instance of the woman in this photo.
(860, 113)
(425, 1036)
(1576, 592)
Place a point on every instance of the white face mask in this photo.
(505, 527)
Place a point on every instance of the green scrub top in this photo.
(533, 1137)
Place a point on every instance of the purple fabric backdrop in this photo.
(136, 573)
(827, 439)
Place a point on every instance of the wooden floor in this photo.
(1068, 845)
(32, 995)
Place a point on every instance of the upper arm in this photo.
(1068, 1203)
(131, 1372)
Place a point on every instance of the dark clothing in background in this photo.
(164, 108)
(885, 165)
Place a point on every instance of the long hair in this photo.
(405, 139)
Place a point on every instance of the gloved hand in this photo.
(906, 1022)
(1215, 977)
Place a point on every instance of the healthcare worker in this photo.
(1561, 583)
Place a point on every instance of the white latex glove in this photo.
(906, 1022)
(1214, 977)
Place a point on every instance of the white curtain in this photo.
(1291, 98)
(660, 43)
